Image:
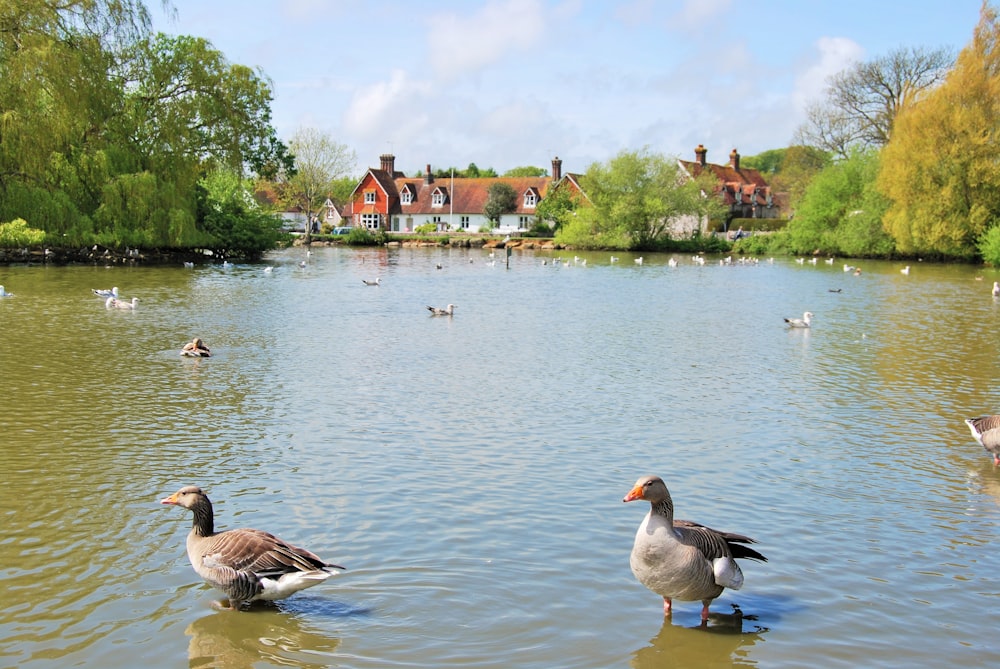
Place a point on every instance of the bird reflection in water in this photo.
(721, 641)
(264, 636)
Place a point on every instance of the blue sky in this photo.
(504, 83)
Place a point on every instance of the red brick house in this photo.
(743, 190)
(388, 200)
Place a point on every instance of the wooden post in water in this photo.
(507, 248)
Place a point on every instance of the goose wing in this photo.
(715, 544)
(260, 553)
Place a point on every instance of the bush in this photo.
(18, 234)
(989, 246)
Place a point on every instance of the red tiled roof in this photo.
(467, 195)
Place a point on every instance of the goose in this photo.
(4, 293)
(996, 289)
(247, 565)
(804, 322)
(680, 559)
(447, 311)
(986, 430)
(377, 281)
(106, 293)
(196, 349)
(121, 304)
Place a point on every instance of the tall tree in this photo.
(500, 199)
(319, 161)
(939, 169)
(863, 101)
(636, 198)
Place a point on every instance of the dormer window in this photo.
(369, 197)
(406, 197)
(438, 198)
(530, 199)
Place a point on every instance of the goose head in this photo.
(188, 497)
(649, 488)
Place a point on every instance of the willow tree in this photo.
(939, 170)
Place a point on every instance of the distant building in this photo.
(388, 200)
(742, 189)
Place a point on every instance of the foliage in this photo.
(939, 169)
(425, 228)
(768, 163)
(500, 199)
(365, 237)
(319, 160)
(799, 166)
(989, 246)
(635, 197)
(471, 172)
(556, 207)
(863, 101)
(106, 129)
(526, 171)
(17, 233)
(841, 211)
(237, 225)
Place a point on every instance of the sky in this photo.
(509, 83)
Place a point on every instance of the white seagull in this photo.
(996, 289)
(804, 322)
(4, 293)
(437, 311)
(377, 281)
(905, 270)
(106, 293)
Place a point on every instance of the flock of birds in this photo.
(675, 559)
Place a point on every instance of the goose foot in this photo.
(223, 605)
(667, 604)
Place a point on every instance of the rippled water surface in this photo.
(469, 471)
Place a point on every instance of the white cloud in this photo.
(459, 44)
(696, 15)
(382, 109)
(835, 54)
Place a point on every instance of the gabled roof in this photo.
(465, 195)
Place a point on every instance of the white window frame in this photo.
(530, 200)
(406, 197)
(370, 197)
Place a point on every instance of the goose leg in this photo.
(704, 609)
(666, 606)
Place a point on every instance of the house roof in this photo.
(737, 184)
(465, 195)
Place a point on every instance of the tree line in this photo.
(111, 134)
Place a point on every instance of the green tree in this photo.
(319, 161)
(556, 208)
(500, 199)
(841, 212)
(526, 171)
(939, 169)
(636, 197)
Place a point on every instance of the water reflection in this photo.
(233, 640)
(721, 642)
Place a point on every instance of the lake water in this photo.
(469, 471)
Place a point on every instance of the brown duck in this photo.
(680, 559)
(247, 565)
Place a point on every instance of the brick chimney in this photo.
(428, 175)
(556, 169)
(700, 154)
(734, 160)
(388, 163)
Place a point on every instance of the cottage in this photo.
(388, 200)
(742, 189)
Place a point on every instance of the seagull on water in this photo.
(4, 293)
(106, 293)
(804, 322)
(377, 281)
(447, 311)
(121, 304)
(996, 289)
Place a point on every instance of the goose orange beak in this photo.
(169, 500)
(633, 494)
